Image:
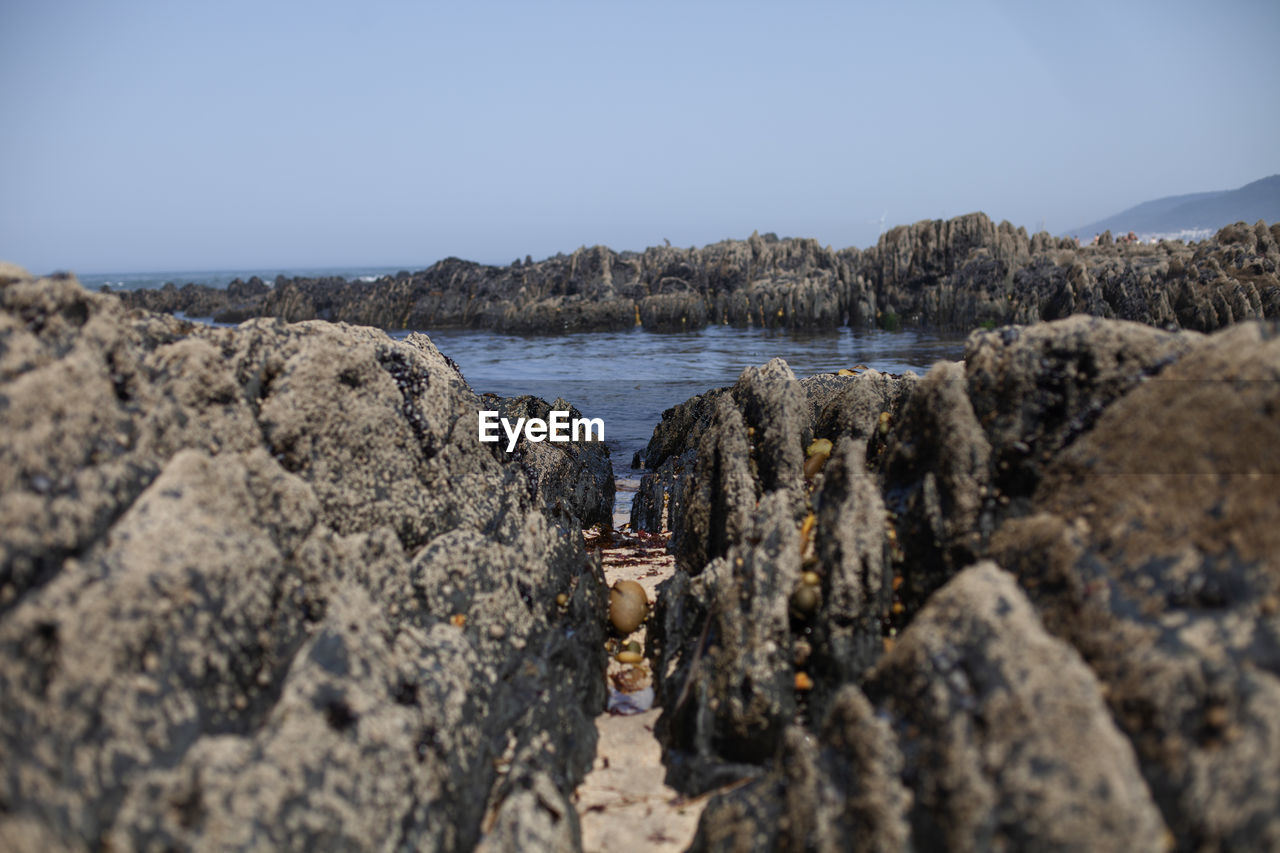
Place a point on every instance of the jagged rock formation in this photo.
(956, 274)
(263, 588)
(1030, 600)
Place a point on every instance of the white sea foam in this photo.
(1186, 235)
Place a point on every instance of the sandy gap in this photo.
(623, 803)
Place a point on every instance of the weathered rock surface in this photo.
(1116, 688)
(957, 274)
(1154, 548)
(712, 509)
(936, 477)
(835, 792)
(263, 588)
(1007, 744)
(1010, 742)
(671, 453)
(734, 621)
(1042, 386)
(724, 673)
(576, 476)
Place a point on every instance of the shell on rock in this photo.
(628, 606)
(817, 453)
(805, 600)
(819, 445)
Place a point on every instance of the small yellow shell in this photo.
(819, 445)
(803, 681)
(811, 578)
(628, 657)
(628, 606)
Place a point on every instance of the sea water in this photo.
(628, 379)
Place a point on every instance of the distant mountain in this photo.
(1193, 216)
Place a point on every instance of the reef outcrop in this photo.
(956, 274)
(1030, 599)
(261, 587)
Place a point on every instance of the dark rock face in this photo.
(262, 587)
(955, 274)
(856, 576)
(1113, 686)
(843, 791)
(733, 621)
(936, 478)
(1042, 386)
(726, 646)
(669, 455)
(575, 476)
(712, 509)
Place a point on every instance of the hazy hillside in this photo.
(1196, 212)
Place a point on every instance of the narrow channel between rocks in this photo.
(624, 803)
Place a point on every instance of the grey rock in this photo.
(1152, 549)
(1036, 389)
(960, 274)
(840, 790)
(936, 479)
(263, 588)
(669, 457)
(1125, 475)
(774, 411)
(712, 508)
(1011, 744)
(576, 476)
(846, 635)
(723, 669)
(855, 409)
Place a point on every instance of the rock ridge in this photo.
(956, 274)
(1031, 599)
(262, 588)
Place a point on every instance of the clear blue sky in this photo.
(180, 135)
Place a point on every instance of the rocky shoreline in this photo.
(1029, 600)
(957, 274)
(261, 587)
